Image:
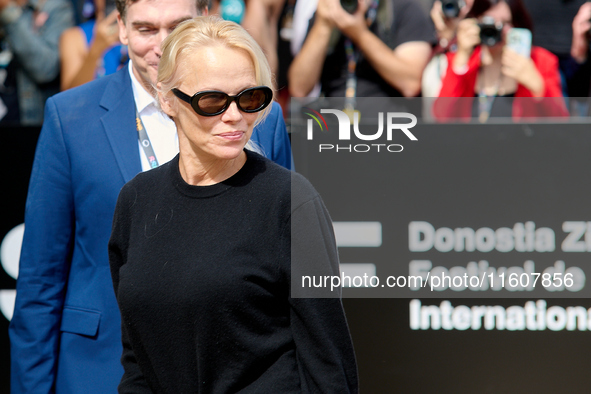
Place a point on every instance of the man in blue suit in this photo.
(65, 332)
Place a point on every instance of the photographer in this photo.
(92, 49)
(29, 60)
(563, 30)
(581, 30)
(384, 58)
(446, 15)
(485, 67)
(577, 67)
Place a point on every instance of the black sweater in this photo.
(202, 278)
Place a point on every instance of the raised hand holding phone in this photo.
(517, 63)
(519, 40)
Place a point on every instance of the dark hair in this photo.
(123, 4)
(519, 15)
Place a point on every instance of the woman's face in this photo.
(223, 136)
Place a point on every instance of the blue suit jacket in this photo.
(65, 333)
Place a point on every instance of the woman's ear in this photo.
(166, 101)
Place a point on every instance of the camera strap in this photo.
(353, 56)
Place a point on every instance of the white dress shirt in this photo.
(160, 128)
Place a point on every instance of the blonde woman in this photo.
(203, 247)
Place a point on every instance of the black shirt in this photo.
(202, 278)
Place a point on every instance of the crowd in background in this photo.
(333, 48)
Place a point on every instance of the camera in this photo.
(349, 5)
(451, 8)
(490, 31)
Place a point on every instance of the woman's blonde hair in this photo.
(205, 31)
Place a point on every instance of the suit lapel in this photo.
(119, 123)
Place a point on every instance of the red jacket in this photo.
(524, 106)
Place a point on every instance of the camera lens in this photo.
(490, 31)
(450, 8)
(349, 5)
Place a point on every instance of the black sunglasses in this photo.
(214, 102)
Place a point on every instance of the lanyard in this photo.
(353, 56)
(145, 141)
(485, 102)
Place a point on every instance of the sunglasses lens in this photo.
(252, 100)
(212, 103)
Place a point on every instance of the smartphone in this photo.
(519, 40)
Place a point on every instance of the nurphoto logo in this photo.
(348, 118)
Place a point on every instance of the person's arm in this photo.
(306, 68)
(551, 103)
(324, 350)
(78, 61)
(260, 20)
(37, 51)
(525, 72)
(581, 27)
(457, 88)
(460, 82)
(44, 263)
(72, 53)
(468, 35)
(462, 65)
(402, 68)
(445, 27)
(133, 380)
